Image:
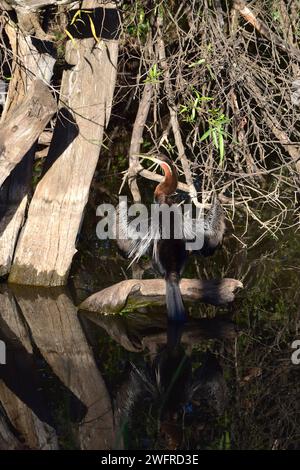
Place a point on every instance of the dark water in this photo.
(78, 380)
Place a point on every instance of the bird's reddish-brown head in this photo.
(169, 184)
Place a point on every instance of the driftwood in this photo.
(21, 130)
(47, 243)
(135, 293)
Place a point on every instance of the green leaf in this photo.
(215, 139)
(221, 147)
(205, 135)
(198, 62)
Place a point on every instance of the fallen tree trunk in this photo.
(135, 293)
(29, 63)
(19, 132)
(47, 243)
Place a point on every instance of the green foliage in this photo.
(153, 75)
(217, 121)
(216, 131)
(194, 106)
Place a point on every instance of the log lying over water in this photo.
(22, 129)
(134, 293)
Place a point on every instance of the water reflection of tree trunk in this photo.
(35, 433)
(8, 441)
(32, 430)
(45, 323)
(56, 331)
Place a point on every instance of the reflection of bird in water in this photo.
(170, 254)
(177, 392)
(209, 387)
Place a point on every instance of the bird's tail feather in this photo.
(175, 307)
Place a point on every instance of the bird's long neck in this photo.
(168, 186)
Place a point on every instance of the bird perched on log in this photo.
(170, 254)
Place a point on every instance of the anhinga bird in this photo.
(170, 254)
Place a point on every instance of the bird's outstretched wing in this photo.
(134, 239)
(205, 233)
(214, 228)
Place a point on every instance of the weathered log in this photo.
(54, 326)
(47, 243)
(21, 130)
(135, 293)
(28, 65)
(13, 203)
